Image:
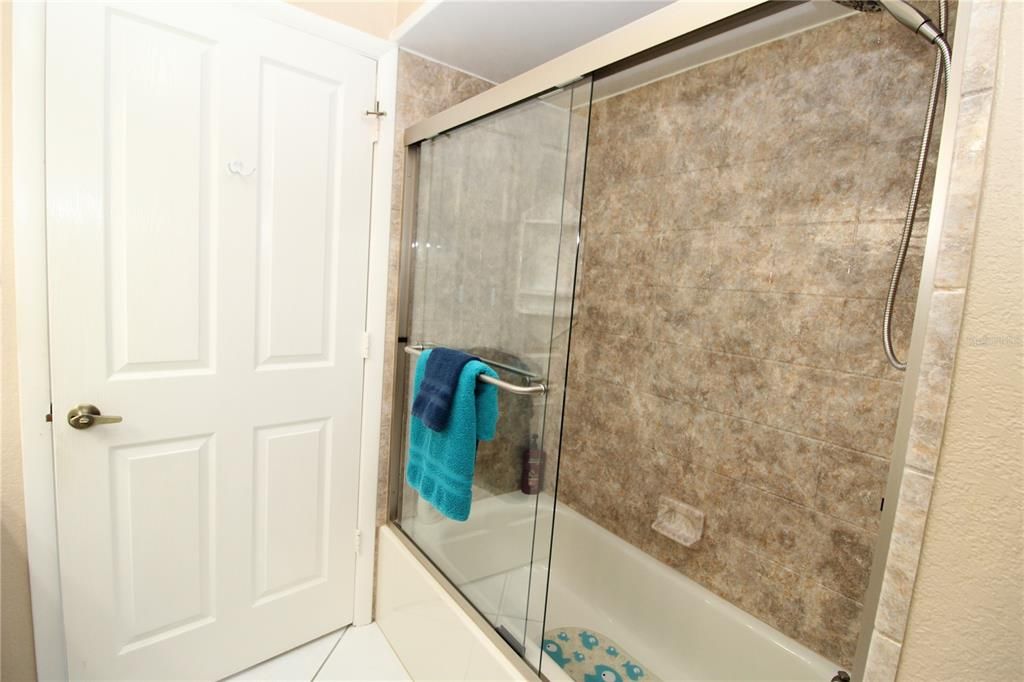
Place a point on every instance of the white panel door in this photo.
(220, 312)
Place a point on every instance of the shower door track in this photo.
(665, 30)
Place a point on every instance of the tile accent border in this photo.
(942, 329)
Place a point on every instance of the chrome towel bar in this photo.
(534, 388)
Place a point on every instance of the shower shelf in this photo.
(535, 387)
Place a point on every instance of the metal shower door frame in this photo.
(682, 23)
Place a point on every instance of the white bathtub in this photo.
(680, 630)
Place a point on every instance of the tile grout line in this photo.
(617, 270)
(599, 331)
(693, 403)
(330, 653)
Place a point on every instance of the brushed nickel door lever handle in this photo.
(85, 416)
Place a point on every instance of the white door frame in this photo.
(28, 33)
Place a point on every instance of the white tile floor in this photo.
(353, 654)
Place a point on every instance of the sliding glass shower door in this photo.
(493, 258)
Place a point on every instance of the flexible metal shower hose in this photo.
(939, 77)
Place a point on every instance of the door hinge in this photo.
(357, 541)
(377, 115)
(364, 347)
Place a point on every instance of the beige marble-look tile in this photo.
(962, 202)
(683, 383)
(786, 327)
(621, 310)
(841, 556)
(831, 623)
(781, 597)
(771, 526)
(769, 591)
(860, 336)
(775, 528)
(883, 190)
(695, 222)
(851, 411)
(822, 185)
(793, 257)
(876, 245)
(603, 357)
(464, 86)
(933, 384)
(443, 83)
(681, 314)
(861, 413)
(981, 55)
(904, 552)
(735, 385)
(883, 659)
(850, 486)
(740, 572)
(773, 461)
(591, 476)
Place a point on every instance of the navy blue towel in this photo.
(433, 401)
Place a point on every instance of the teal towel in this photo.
(440, 464)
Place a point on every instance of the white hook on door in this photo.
(238, 168)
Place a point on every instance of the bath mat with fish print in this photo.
(589, 656)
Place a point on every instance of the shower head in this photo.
(904, 13)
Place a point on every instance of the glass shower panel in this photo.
(494, 255)
(730, 415)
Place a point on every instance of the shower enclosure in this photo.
(497, 205)
(678, 268)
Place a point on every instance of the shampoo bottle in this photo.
(533, 468)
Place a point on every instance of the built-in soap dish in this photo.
(679, 521)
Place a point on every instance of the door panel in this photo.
(299, 202)
(292, 502)
(220, 311)
(159, 111)
(151, 482)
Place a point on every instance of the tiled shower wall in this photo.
(740, 223)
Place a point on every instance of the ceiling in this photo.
(499, 39)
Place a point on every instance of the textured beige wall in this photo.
(17, 655)
(379, 17)
(405, 10)
(967, 614)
